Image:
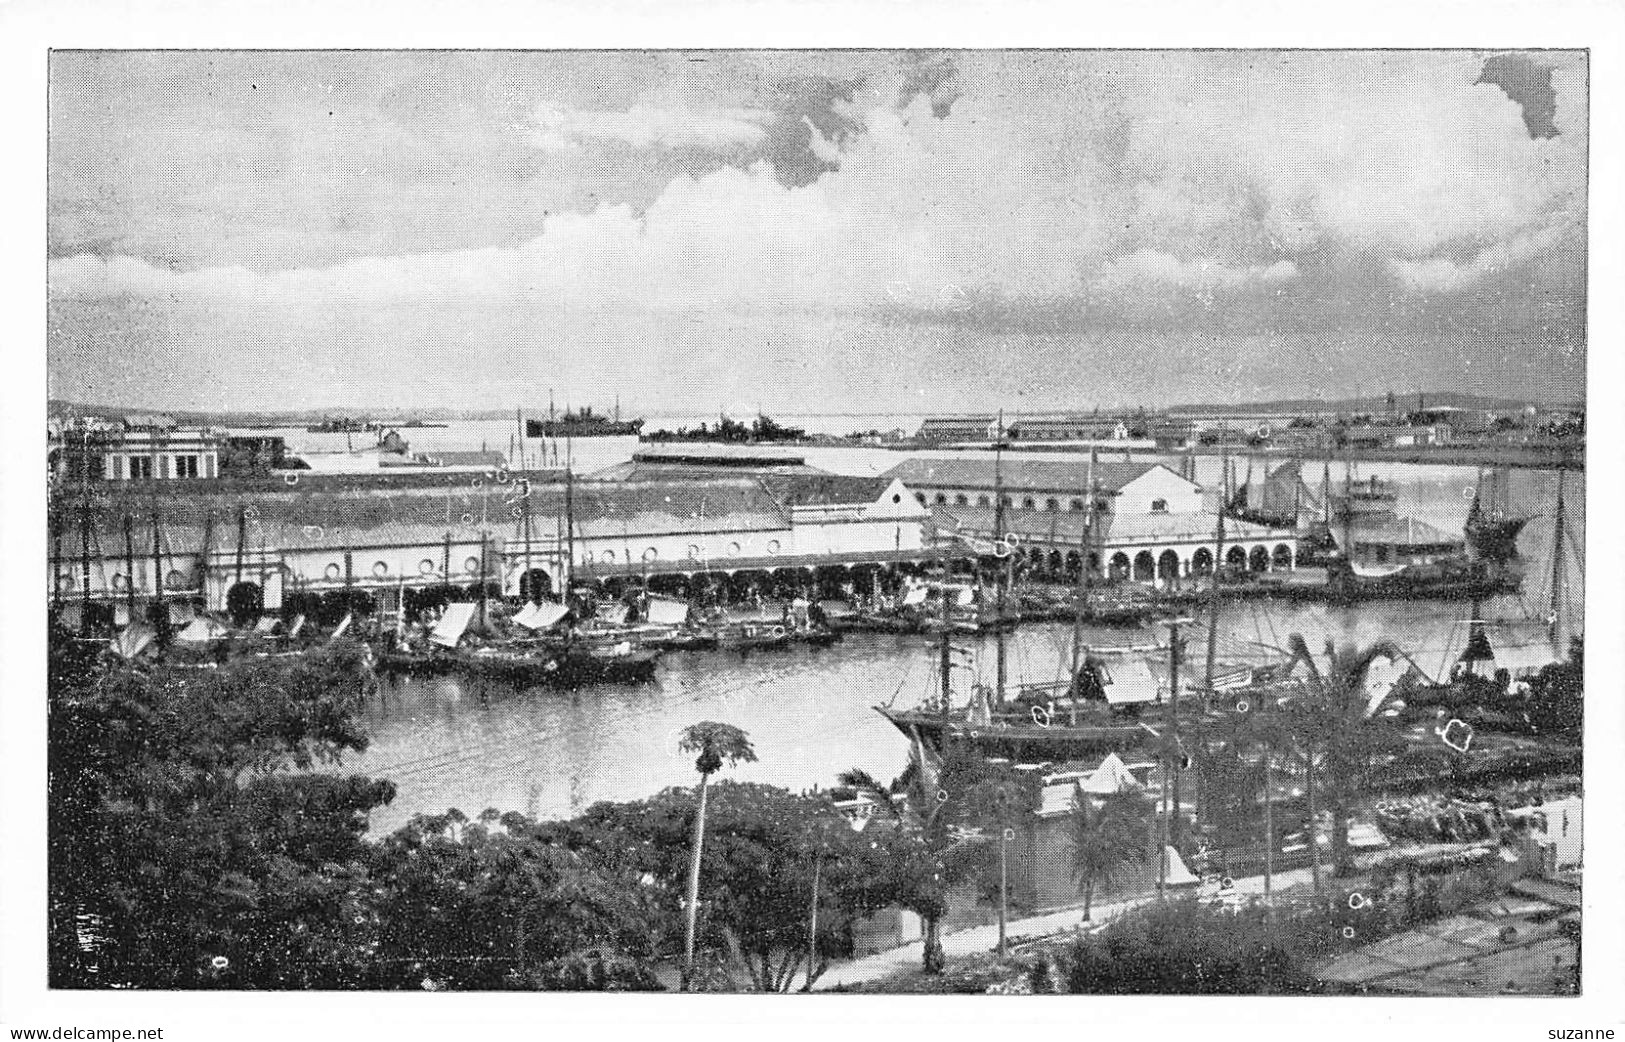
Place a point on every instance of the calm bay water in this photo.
(450, 742)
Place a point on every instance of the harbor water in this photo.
(454, 742)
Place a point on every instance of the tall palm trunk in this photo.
(694, 886)
(935, 959)
(1341, 862)
(1314, 819)
(1088, 898)
(1269, 830)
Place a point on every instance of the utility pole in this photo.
(1218, 564)
(161, 615)
(1169, 755)
(129, 568)
(1002, 579)
(1552, 617)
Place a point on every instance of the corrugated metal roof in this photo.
(322, 517)
(822, 489)
(1018, 474)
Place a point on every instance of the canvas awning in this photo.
(133, 640)
(613, 613)
(1176, 874)
(200, 630)
(298, 624)
(667, 612)
(343, 626)
(267, 626)
(453, 621)
(1129, 682)
(540, 616)
(914, 596)
(1520, 649)
(1111, 776)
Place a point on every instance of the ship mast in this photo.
(161, 619)
(1557, 569)
(1003, 577)
(1218, 562)
(1082, 595)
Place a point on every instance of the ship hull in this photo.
(607, 429)
(1021, 744)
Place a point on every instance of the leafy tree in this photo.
(766, 854)
(1108, 840)
(189, 845)
(936, 840)
(1556, 703)
(716, 744)
(497, 903)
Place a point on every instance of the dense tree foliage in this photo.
(1108, 839)
(187, 847)
(940, 815)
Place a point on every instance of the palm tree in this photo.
(940, 852)
(1335, 726)
(716, 744)
(1107, 840)
(997, 803)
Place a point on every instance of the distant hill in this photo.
(56, 407)
(1379, 404)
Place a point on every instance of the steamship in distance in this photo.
(582, 424)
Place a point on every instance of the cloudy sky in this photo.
(889, 231)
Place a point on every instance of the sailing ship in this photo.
(583, 423)
(1492, 528)
(1503, 652)
(1106, 691)
(1384, 555)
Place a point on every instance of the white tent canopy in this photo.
(201, 630)
(1176, 872)
(453, 621)
(1111, 776)
(1129, 681)
(133, 640)
(667, 612)
(540, 616)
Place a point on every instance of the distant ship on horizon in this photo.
(583, 423)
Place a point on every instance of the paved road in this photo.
(981, 939)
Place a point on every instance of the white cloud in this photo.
(644, 126)
(1121, 173)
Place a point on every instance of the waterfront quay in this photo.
(673, 520)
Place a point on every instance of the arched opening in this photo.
(1168, 566)
(961, 500)
(1145, 566)
(1281, 560)
(1072, 561)
(244, 602)
(1120, 565)
(982, 501)
(1202, 562)
(535, 585)
(1094, 564)
(1235, 559)
(1055, 562)
(1259, 559)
